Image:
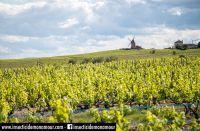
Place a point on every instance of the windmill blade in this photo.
(129, 39)
(129, 44)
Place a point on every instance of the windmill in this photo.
(132, 43)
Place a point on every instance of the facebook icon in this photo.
(69, 126)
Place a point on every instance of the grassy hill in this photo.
(120, 54)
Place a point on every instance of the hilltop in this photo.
(120, 54)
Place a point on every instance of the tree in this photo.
(181, 47)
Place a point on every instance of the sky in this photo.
(41, 28)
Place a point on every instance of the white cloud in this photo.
(99, 4)
(59, 27)
(157, 0)
(14, 38)
(31, 51)
(107, 42)
(68, 23)
(134, 2)
(151, 37)
(10, 9)
(178, 11)
(4, 50)
(85, 7)
(85, 28)
(162, 36)
(175, 11)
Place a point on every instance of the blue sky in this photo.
(40, 28)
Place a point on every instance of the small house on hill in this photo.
(191, 46)
(178, 42)
(180, 45)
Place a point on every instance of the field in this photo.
(140, 90)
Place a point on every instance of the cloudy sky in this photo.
(39, 28)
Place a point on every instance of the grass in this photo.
(135, 116)
(83, 117)
(121, 54)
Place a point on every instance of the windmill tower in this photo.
(132, 43)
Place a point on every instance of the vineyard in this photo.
(57, 91)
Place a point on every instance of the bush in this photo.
(153, 51)
(33, 119)
(86, 60)
(61, 110)
(163, 119)
(174, 52)
(111, 116)
(181, 56)
(199, 45)
(111, 58)
(72, 61)
(98, 60)
(181, 47)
